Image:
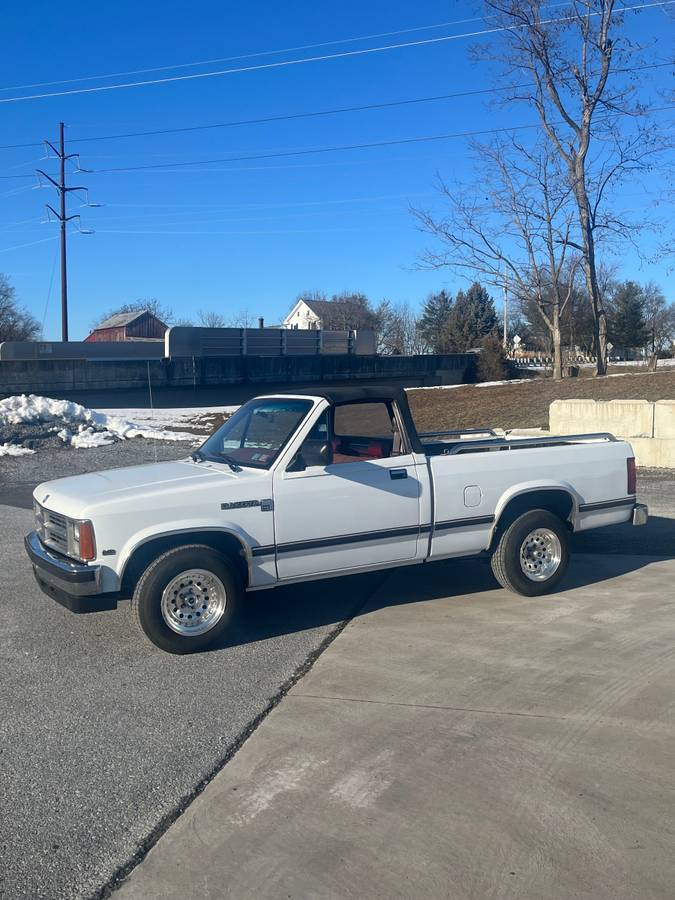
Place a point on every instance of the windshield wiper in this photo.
(232, 463)
(198, 456)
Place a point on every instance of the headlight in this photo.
(81, 540)
(39, 520)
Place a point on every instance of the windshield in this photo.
(256, 433)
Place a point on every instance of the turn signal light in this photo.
(632, 476)
(87, 541)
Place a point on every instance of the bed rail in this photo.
(457, 431)
(525, 443)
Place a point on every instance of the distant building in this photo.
(309, 314)
(133, 326)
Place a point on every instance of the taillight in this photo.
(86, 541)
(632, 477)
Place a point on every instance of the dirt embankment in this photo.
(525, 404)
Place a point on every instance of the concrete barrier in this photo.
(650, 427)
(628, 418)
(664, 419)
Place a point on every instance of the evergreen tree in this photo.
(492, 362)
(627, 327)
(433, 324)
(472, 318)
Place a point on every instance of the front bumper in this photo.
(640, 514)
(74, 585)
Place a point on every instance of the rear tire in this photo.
(186, 599)
(532, 554)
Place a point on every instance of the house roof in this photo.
(123, 319)
(320, 308)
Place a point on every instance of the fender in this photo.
(188, 526)
(530, 487)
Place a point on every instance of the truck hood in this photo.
(79, 496)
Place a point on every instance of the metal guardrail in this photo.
(526, 443)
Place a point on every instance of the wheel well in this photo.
(557, 501)
(221, 541)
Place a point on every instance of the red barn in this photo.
(141, 325)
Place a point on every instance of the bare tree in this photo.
(16, 324)
(660, 318)
(398, 331)
(210, 319)
(514, 232)
(241, 319)
(580, 72)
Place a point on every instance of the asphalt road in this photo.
(103, 739)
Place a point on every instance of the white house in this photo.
(308, 314)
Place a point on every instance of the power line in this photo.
(222, 59)
(332, 149)
(386, 104)
(29, 244)
(313, 150)
(311, 59)
(49, 290)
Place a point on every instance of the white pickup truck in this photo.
(300, 486)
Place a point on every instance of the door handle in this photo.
(397, 474)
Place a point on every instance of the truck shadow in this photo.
(317, 604)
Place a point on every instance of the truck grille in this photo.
(55, 531)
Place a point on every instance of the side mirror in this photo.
(326, 454)
(297, 464)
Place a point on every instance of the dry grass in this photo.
(525, 405)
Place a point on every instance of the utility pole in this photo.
(506, 316)
(62, 217)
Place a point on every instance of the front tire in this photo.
(186, 599)
(532, 554)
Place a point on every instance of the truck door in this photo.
(350, 498)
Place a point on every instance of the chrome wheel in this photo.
(540, 554)
(193, 602)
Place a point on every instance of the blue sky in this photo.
(249, 234)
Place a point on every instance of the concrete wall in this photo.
(50, 350)
(650, 427)
(61, 375)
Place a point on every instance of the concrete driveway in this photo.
(456, 741)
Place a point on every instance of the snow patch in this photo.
(13, 450)
(450, 387)
(81, 427)
(495, 383)
(184, 415)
